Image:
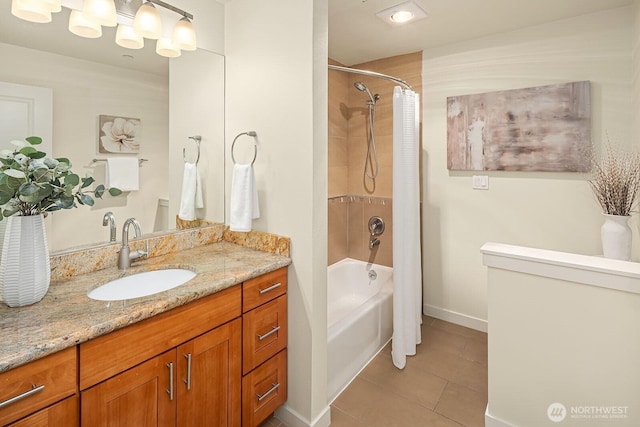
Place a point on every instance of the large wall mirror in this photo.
(90, 78)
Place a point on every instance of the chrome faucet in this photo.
(110, 220)
(126, 256)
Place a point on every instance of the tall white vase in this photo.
(25, 271)
(616, 237)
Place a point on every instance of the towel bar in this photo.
(140, 161)
(255, 145)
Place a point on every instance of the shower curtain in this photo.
(407, 273)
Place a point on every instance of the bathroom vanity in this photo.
(209, 352)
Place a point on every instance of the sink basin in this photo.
(141, 284)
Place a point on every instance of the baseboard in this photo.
(292, 419)
(454, 317)
(491, 421)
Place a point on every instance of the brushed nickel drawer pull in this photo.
(170, 390)
(34, 389)
(270, 288)
(188, 380)
(268, 392)
(273, 330)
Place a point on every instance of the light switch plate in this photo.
(480, 182)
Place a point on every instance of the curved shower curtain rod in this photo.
(372, 74)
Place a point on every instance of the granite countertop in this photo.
(66, 316)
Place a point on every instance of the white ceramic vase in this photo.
(25, 271)
(616, 237)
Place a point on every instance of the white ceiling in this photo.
(357, 35)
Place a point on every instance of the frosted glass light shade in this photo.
(101, 11)
(184, 36)
(54, 5)
(83, 27)
(147, 22)
(165, 47)
(127, 37)
(31, 10)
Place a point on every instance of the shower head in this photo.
(363, 88)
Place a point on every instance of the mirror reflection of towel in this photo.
(191, 198)
(122, 173)
(244, 198)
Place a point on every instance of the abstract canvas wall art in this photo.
(545, 128)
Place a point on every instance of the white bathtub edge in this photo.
(455, 317)
(292, 419)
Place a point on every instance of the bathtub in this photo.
(359, 318)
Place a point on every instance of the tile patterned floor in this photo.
(444, 384)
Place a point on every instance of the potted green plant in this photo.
(32, 185)
(615, 181)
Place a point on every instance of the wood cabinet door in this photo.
(143, 396)
(64, 413)
(209, 378)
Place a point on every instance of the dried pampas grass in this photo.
(615, 180)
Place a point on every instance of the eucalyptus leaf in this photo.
(5, 195)
(27, 151)
(99, 191)
(34, 140)
(37, 155)
(87, 182)
(14, 173)
(42, 175)
(85, 199)
(115, 191)
(28, 189)
(18, 144)
(72, 180)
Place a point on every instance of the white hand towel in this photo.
(123, 173)
(191, 198)
(244, 198)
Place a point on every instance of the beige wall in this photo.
(546, 210)
(82, 91)
(276, 84)
(348, 143)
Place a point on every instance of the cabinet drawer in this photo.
(264, 390)
(63, 413)
(264, 332)
(262, 289)
(40, 383)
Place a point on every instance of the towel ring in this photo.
(197, 139)
(255, 146)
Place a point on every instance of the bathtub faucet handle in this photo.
(376, 226)
(374, 242)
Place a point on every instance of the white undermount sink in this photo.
(141, 284)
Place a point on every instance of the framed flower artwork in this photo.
(119, 135)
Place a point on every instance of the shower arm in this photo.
(372, 74)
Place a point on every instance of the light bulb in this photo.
(101, 11)
(402, 16)
(83, 27)
(147, 22)
(31, 10)
(165, 47)
(127, 37)
(184, 36)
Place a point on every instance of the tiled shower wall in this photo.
(349, 232)
(353, 196)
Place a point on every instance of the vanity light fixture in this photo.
(402, 13)
(88, 22)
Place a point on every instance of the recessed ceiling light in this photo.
(402, 13)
